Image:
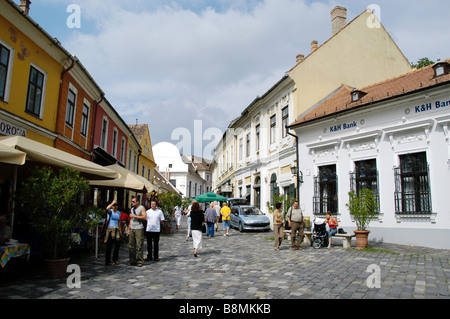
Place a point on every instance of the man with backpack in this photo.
(295, 220)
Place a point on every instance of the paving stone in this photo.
(245, 266)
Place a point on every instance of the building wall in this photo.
(104, 111)
(24, 53)
(385, 133)
(358, 55)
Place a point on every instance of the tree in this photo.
(422, 63)
(50, 199)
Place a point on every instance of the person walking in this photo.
(137, 233)
(295, 220)
(112, 237)
(188, 215)
(217, 208)
(155, 218)
(197, 219)
(177, 215)
(210, 219)
(226, 219)
(332, 225)
(278, 226)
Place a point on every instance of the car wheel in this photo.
(317, 243)
(241, 229)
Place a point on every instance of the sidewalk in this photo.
(245, 266)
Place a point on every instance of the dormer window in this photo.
(441, 68)
(357, 95)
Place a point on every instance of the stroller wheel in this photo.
(317, 243)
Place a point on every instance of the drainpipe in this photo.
(298, 163)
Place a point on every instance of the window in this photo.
(285, 119)
(114, 143)
(273, 129)
(143, 171)
(85, 120)
(247, 146)
(4, 66)
(365, 176)
(241, 151)
(103, 140)
(122, 151)
(149, 174)
(70, 109)
(258, 130)
(35, 92)
(325, 191)
(274, 189)
(412, 188)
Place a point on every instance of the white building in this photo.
(391, 137)
(265, 151)
(178, 169)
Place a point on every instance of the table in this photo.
(13, 250)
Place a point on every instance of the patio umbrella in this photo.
(210, 197)
(10, 155)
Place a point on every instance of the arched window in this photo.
(274, 189)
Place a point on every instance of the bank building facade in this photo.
(391, 137)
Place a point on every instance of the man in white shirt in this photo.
(155, 218)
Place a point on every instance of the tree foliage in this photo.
(363, 208)
(423, 62)
(50, 199)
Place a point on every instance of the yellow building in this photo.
(146, 161)
(223, 165)
(358, 54)
(31, 66)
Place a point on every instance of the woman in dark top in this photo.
(197, 219)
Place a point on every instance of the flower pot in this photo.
(56, 269)
(362, 240)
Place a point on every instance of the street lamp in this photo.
(296, 171)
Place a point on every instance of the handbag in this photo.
(203, 228)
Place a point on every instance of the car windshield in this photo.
(238, 201)
(251, 211)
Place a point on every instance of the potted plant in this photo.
(363, 208)
(168, 201)
(49, 198)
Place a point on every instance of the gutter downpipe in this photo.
(298, 163)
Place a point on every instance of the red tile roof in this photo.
(341, 99)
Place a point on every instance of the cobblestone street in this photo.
(245, 266)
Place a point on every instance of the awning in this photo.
(42, 153)
(126, 179)
(10, 155)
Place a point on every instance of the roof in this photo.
(138, 130)
(341, 99)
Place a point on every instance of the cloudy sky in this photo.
(188, 67)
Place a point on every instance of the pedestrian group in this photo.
(139, 224)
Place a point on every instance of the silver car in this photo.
(247, 217)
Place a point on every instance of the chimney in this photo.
(25, 6)
(300, 58)
(338, 19)
(314, 46)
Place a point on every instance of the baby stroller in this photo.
(319, 234)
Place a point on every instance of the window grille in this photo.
(325, 191)
(412, 187)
